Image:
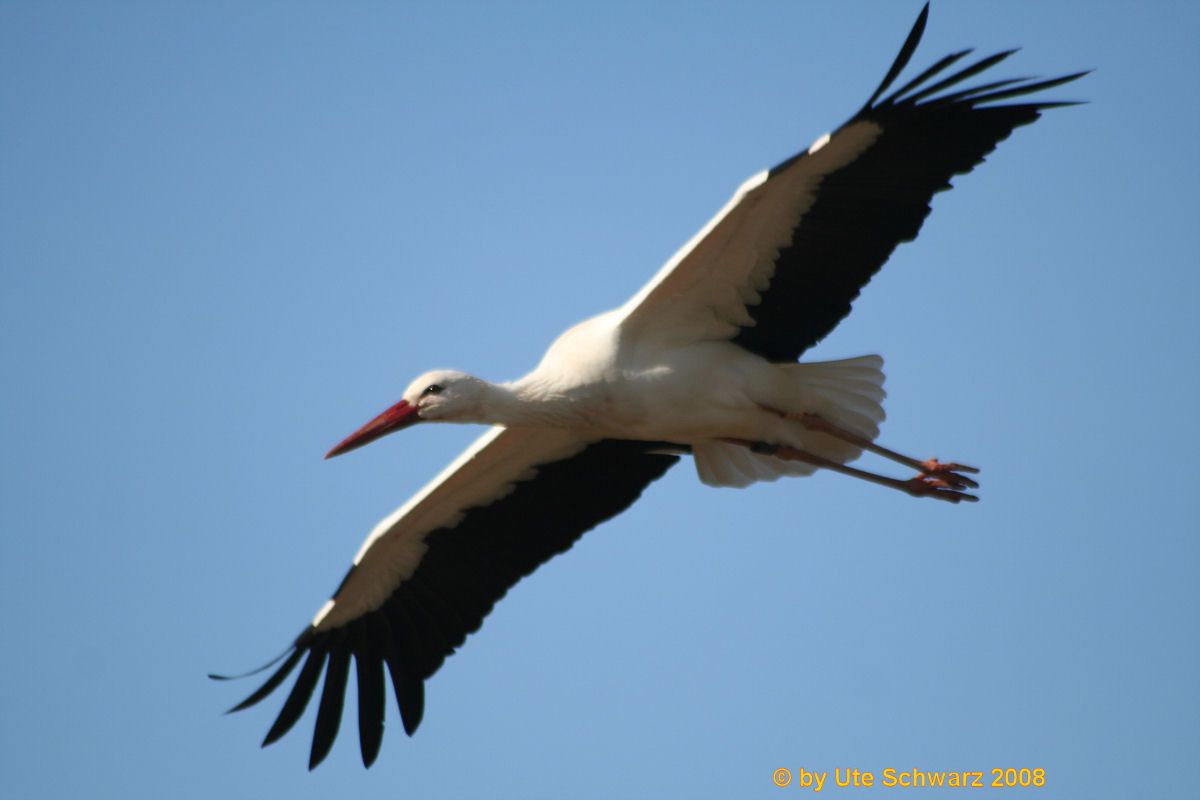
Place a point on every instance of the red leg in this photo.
(947, 473)
(924, 485)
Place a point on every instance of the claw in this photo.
(925, 486)
(945, 477)
(932, 465)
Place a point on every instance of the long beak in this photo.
(398, 416)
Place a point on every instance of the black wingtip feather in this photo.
(271, 684)
(937, 67)
(410, 694)
(329, 712)
(1029, 88)
(414, 710)
(406, 682)
(1062, 104)
(973, 91)
(958, 77)
(213, 676)
(368, 669)
(903, 57)
(302, 691)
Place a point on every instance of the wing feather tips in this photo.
(963, 74)
(372, 700)
(1036, 86)
(298, 699)
(914, 95)
(333, 696)
(408, 686)
(404, 656)
(902, 58)
(938, 66)
(271, 683)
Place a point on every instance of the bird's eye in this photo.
(432, 388)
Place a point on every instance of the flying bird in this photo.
(703, 360)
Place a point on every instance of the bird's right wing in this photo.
(428, 574)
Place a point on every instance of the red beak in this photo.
(398, 416)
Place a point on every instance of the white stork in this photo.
(702, 360)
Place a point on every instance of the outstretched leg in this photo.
(947, 473)
(923, 485)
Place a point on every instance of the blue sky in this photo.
(229, 233)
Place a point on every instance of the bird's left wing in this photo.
(428, 574)
(777, 268)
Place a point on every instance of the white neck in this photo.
(528, 402)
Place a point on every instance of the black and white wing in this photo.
(778, 267)
(427, 575)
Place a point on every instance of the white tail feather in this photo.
(847, 393)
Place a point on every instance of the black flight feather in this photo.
(302, 690)
(903, 57)
(329, 710)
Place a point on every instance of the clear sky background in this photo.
(232, 232)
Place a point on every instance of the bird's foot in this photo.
(933, 465)
(948, 474)
(946, 486)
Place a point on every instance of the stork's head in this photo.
(444, 395)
